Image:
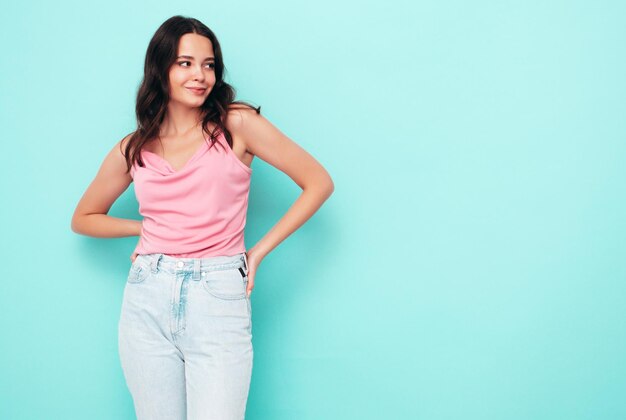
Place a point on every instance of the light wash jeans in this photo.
(185, 337)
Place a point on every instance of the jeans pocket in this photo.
(225, 284)
(138, 273)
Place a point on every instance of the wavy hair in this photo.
(153, 92)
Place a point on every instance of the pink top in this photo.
(198, 211)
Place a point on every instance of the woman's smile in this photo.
(197, 91)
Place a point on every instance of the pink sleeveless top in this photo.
(198, 211)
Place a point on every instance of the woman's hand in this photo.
(254, 259)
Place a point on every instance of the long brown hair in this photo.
(153, 93)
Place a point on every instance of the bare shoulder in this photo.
(263, 139)
(115, 161)
(240, 117)
(122, 144)
(245, 126)
(256, 132)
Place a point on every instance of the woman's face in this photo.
(194, 68)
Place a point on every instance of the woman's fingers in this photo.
(250, 282)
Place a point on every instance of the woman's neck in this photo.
(179, 121)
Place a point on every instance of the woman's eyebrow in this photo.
(190, 57)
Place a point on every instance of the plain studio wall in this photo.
(469, 265)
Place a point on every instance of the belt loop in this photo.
(196, 269)
(154, 262)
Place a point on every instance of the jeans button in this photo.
(180, 264)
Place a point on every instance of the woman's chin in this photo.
(190, 103)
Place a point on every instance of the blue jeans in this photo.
(185, 337)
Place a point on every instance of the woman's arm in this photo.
(264, 140)
(90, 217)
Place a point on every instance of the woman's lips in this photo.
(197, 91)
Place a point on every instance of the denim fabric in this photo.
(185, 337)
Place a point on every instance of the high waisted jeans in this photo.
(185, 337)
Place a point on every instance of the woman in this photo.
(185, 330)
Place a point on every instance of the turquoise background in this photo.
(469, 265)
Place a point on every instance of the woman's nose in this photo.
(199, 74)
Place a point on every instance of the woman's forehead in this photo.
(196, 46)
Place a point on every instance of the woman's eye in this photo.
(211, 65)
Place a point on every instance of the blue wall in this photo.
(469, 265)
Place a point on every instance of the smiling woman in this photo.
(185, 329)
(196, 76)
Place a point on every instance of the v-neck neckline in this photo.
(186, 164)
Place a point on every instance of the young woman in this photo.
(185, 330)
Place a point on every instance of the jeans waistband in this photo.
(163, 262)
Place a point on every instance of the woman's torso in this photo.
(193, 197)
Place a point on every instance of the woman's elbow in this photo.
(330, 186)
(75, 224)
(326, 185)
(78, 223)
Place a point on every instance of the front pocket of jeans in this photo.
(224, 284)
(137, 274)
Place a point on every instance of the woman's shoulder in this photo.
(123, 143)
(239, 114)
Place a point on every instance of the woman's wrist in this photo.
(138, 227)
(257, 252)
